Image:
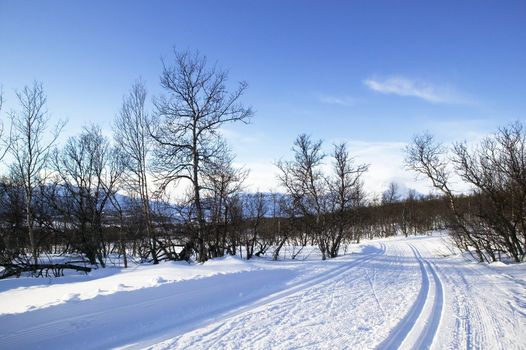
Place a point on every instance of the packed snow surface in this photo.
(407, 293)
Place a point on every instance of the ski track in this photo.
(404, 331)
(479, 313)
(294, 320)
(395, 294)
(425, 340)
(301, 291)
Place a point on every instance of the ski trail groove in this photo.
(416, 314)
(425, 340)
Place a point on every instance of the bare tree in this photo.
(391, 194)
(256, 210)
(428, 157)
(346, 189)
(407, 217)
(388, 219)
(497, 168)
(4, 143)
(221, 182)
(30, 145)
(284, 207)
(132, 136)
(306, 184)
(89, 171)
(195, 105)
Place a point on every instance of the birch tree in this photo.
(196, 103)
(132, 136)
(30, 145)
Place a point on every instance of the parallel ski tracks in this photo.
(418, 328)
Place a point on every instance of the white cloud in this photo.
(262, 175)
(337, 100)
(386, 161)
(403, 86)
(386, 165)
(461, 129)
(242, 138)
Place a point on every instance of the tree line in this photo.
(491, 220)
(96, 198)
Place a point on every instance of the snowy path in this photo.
(353, 310)
(484, 308)
(399, 293)
(418, 328)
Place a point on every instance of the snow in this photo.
(392, 293)
(46, 292)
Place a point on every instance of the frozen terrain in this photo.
(387, 294)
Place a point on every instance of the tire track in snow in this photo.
(417, 315)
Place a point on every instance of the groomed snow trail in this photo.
(355, 309)
(418, 328)
(409, 297)
(484, 308)
(395, 293)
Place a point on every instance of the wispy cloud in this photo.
(403, 86)
(337, 100)
(241, 138)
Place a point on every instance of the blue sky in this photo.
(373, 73)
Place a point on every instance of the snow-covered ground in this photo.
(387, 294)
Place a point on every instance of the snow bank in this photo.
(23, 294)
